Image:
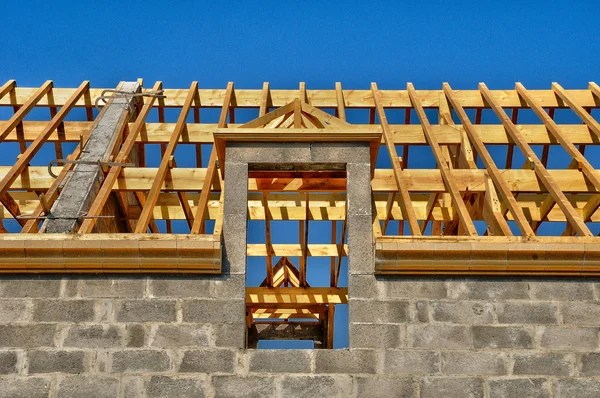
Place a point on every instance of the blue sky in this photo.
(389, 42)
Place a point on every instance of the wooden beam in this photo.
(268, 243)
(31, 102)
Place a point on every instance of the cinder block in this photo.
(208, 361)
(217, 311)
(29, 287)
(168, 387)
(590, 364)
(339, 386)
(523, 387)
(541, 313)
(234, 243)
(384, 387)
(576, 387)
(145, 310)
(345, 361)
(25, 387)
(93, 336)
(439, 336)
(63, 310)
(228, 335)
(230, 286)
(340, 152)
(554, 290)
(131, 386)
(88, 386)
(368, 335)
(548, 364)
(499, 289)
(415, 288)
(455, 387)
(464, 312)
(578, 313)
(502, 337)
(474, 363)
(8, 362)
(252, 386)
(411, 362)
(566, 338)
(14, 310)
(140, 361)
(25, 336)
(176, 335)
(235, 197)
(371, 311)
(280, 361)
(136, 335)
(422, 311)
(56, 361)
(114, 287)
(358, 187)
(179, 287)
(268, 152)
(361, 249)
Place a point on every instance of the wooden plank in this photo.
(269, 260)
(265, 100)
(31, 102)
(296, 250)
(308, 296)
(341, 105)
(7, 87)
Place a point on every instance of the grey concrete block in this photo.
(365, 287)
(70, 287)
(217, 311)
(523, 387)
(565, 338)
(8, 362)
(29, 287)
(414, 288)
(345, 361)
(474, 363)
(567, 290)
(576, 387)
(112, 287)
(340, 152)
(88, 386)
(541, 313)
(208, 361)
(384, 387)
(131, 386)
(25, 387)
(464, 312)
(234, 243)
(140, 361)
(578, 313)
(12, 310)
(368, 335)
(251, 386)
(182, 336)
(590, 364)
(502, 337)
(235, 199)
(411, 362)
(63, 310)
(24, 336)
(268, 152)
(452, 387)
(439, 336)
(361, 249)
(230, 286)
(279, 361)
(358, 188)
(371, 311)
(227, 335)
(135, 335)
(316, 386)
(422, 311)
(145, 311)
(549, 364)
(56, 361)
(168, 387)
(181, 287)
(94, 336)
(503, 289)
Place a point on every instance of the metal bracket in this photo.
(80, 161)
(125, 94)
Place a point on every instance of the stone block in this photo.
(32, 287)
(568, 290)
(234, 243)
(451, 387)
(94, 336)
(358, 188)
(523, 387)
(230, 286)
(181, 287)
(340, 152)
(280, 361)
(182, 336)
(111, 287)
(590, 364)
(578, 313)
(251, 386)
(235, 199)
(576, 387)
(361, 249)
(369, 335)
(25, 336)
(59, 361)
(548, 364)
(439, 336)
(500, 289)
(268, 152)
(474, 363)
(208, 361)
(63, 310)
(14, 310)
(541, 313)
(168, 387)
(131, 386)
(411, 362)
(140, 361)
(371, 311)
(135, 335)
(315, 386)
(8, 362)
(227, 335)
(25, 387)
(502, 337)
(145, 311)
(566, 338)
(345, 361)
(415, 288)
(422, 311)
(88, 386)
(465, 312)
(384, 387)
(217, 311)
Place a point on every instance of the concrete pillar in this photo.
(85, 180)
